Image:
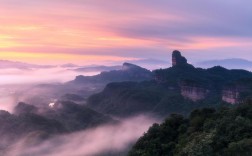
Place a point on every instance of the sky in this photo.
(101, 31)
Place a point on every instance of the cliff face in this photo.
(237, 91)
(194, 93)
(230, 96)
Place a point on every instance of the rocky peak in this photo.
(178, 59)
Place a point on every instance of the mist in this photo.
(40, 87)
(112, 138)
(20, 84)
(56, 74)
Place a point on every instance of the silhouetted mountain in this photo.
(20, 65)
(206, 132)
(178, 89)
(128, 72)
(227, 63)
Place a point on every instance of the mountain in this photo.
(128, 72)
(233, 63)
(178, 89)
(82, 87)
(97, 68)
(4, 64)
(71, 116)
(206, 132)
(75, 117)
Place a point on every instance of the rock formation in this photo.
(230, 96)
(178, 59)
(235, 93)
(194, 93)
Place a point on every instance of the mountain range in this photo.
(145, 63)
(127, 72)
(129, 90)
(20, 65)
(233, 63)
(178, 89)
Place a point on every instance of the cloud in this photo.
(103, 27)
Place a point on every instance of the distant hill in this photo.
(145, 63)
(233, 63)
(4, 64)
(128, 72)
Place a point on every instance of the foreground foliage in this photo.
(206, 132)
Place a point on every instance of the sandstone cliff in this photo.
(194, 93)
(230, 96)
(234, 92)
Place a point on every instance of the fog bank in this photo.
(90, 142)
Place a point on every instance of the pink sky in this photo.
(94, 31)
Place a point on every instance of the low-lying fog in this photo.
(104, 140)
(43, 75)
(18, 85)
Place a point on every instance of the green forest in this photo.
(206, 132)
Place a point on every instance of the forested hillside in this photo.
(206, 132)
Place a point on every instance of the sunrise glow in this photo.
(51, 31)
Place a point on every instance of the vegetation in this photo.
(206, 132)
(212, 78)
(163, 95)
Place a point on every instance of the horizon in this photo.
(120, 62)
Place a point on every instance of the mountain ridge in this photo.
(21, 65)
(128, 72)
(232, 63)
(178, 89)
